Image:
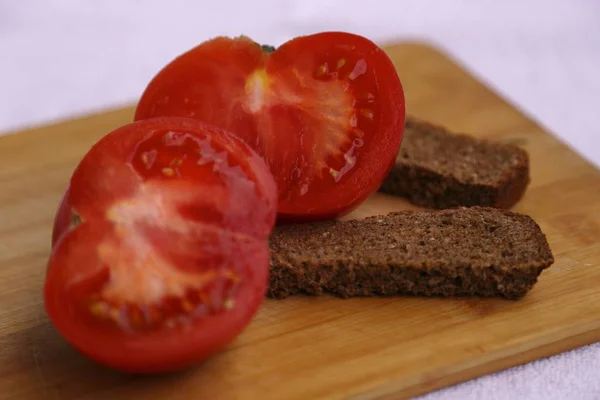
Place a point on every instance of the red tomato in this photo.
(326, 112)
(166, 260)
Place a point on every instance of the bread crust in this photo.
(476, 251)
(439, 169)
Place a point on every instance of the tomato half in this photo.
(160, 255)
(326, 111)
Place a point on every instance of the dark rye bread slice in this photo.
(436, 168)
(456, 252)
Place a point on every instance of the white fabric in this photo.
(63, 58)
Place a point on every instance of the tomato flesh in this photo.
(326, 112)
(169, 259)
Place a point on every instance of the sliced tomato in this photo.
(326, 111)
(160, 254)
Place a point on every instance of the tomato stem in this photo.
(267, 48)
(75, 219)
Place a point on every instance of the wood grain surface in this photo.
(317, 348)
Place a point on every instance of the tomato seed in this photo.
(168, 171)
(232, 276)
(115, 314)
(187, 306)
(148, 158)
(176, 162)
(99, 309)
(367, 113)
(228, 304)
(322, 70)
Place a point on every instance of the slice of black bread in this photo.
(478, 251)
(439, 169)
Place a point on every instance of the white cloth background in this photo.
(64, 58)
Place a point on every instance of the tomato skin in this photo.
(303, 121)
(197, 227)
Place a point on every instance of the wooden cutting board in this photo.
(325, 347)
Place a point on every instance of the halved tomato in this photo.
(160, 255)
(326, 111)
